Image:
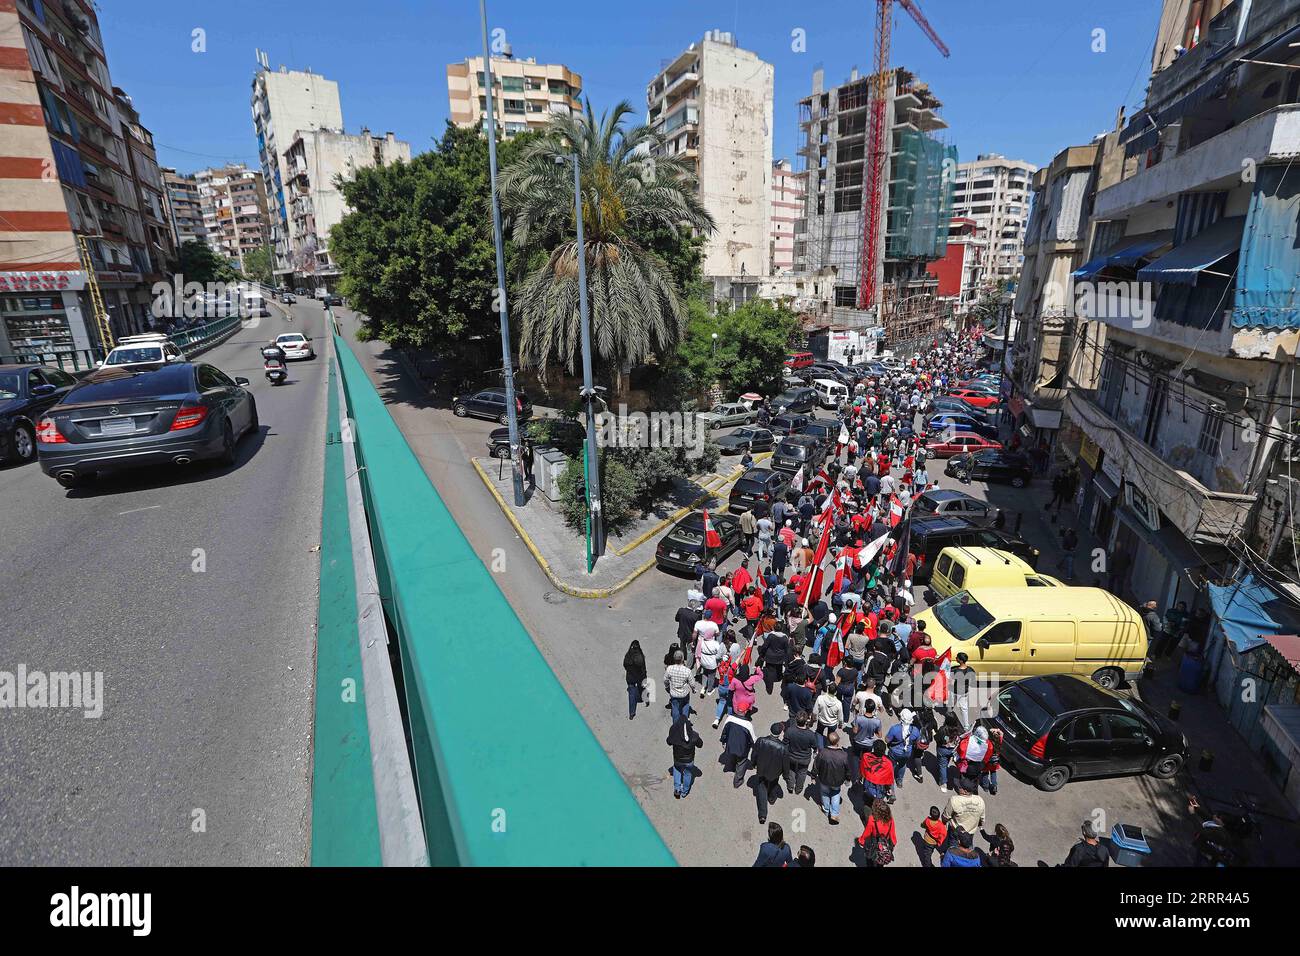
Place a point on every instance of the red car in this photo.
(957, 444)
(976, 397)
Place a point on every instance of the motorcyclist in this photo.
(273, 353)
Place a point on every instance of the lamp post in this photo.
(589, 391)
(512, 417)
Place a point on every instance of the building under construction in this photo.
(915, 206)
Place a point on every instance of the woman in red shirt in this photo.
(879, 836)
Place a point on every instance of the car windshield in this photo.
(1024, 718)
(962, 616)
(290, 338)
(9, 386)
(132, 356)
(750, 485)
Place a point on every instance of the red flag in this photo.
(836, 652)
(841, 565)
(814, 583)
(895, 511)
(711, 537)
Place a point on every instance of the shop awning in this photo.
(1184, 264)
(1131, 251)
(1246, 611)
(1045, 418)
(1175, 548)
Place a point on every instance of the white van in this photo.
(830, 393)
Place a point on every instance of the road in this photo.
(203, 752)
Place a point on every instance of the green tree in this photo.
(747, 354)
(198, 262)
(258, 265)
(635, 301)
(618, 495)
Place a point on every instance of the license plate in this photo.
(117, 426)
(675, 555)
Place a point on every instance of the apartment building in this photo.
(994, 192)
(525, 93)
(312, 162)
(233, 204)
(70, 177)
(960, 270)
(283, 103)
(915, 211)
(713, 104)
(184, 208)
(786, 210)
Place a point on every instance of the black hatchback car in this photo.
(1062, 727)
(993, 466)
(758, 487)
(788, 423)
(684, 547)
(26, 391)
(565, 434)
(490, 403)
(120, 417)
(796, 400)
(927, 535)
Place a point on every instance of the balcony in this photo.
(1271, 136)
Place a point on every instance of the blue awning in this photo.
(1247, 611)
(1130, 251)
(1184, 264)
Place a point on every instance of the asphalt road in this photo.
(203, 752)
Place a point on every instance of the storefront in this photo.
(41, 313)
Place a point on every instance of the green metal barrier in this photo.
(508, 772)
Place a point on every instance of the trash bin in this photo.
(1128, 845)
(1190, 673)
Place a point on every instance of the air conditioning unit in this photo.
(1146, 510)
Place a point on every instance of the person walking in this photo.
(1069, 545)
(775, 852)
(962, 852)
(679, 681)
(946, 738)
(684, 741)
(934, 834)
(831, 768)
(964, 812)
(876, 771)
(962, 682)
(901, 740)
(774, 655)
(1088, 852)
(742, 691)
(879, 837)
(635, 673)
(708, 654)
(800, 743)
(771, 760)
(829, 712)
(748, 530)
(764, 530)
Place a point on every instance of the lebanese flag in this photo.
(895, 511)
(841, 572)
(829, 509)
(938, 689)
(835, 653)
(760, 582)
(711, 537)
(822, 478)
(797, 481)
(814, 580)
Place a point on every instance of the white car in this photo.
(295, 345)
(153, 348)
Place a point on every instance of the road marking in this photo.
(134, 510)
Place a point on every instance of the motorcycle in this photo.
(275, 371)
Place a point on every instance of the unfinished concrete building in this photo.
(915, 210)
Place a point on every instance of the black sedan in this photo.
(992, 466)
(788, 423)
(749, 439)
(1061, 727)
(684, 547)
(26, 391)
(130, 417)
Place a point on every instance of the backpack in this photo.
(877, 848)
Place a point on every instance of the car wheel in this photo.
(227, 444)
(24, 442)
(1017, 482)
(1053, 779)
(502, 452)
(1108, 677)
(503, 418)
(460, 410)
(1167, 767)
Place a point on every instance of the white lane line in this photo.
(134, 510)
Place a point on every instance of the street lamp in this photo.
(597, 535)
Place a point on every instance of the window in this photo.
(1211, 430)
(1088, 728)
(958, 575)
(846, 296)
(1005, 632)
(1157, 394)
(1123, 727)
(512, 84)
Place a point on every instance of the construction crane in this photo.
(873, 188)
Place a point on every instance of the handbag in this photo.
(648, 691)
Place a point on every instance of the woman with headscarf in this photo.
(901, 740)
(742, 691)
(634, 672)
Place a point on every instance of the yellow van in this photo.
(964, 569)
(1020, 632)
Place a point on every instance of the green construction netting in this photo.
(920, 197)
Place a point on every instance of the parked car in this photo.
(491, 403)
(992, 465)
(26, 391)
(944, 501)
(1062, 727)
(974, 396)
(964, 569)
(788, 424)
(824, 430)
(333, 300)
(118, 418)
(682, 548)
(724, 416)
(957, 422)
(151, 348)
(750, 438)
(563, 433)
(798, 360)
(946, 403)
(798, 451)
(758, 487)
(946, 444)
(795, 400)
(928, 535)
(288, 298)
(295, 345)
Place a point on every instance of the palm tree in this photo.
(636, 310)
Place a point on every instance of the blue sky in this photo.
(1023, 79)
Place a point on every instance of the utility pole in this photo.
(588, 389)
(512, 417)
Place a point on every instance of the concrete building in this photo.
(283, 103)
(68, 172)
(786, 210)
(232, 201)
(184, 209)
(915, 212)
(149, 223)
(994, 192)
(713, 105)
(312, 162)
(525, 93)
(960, 270)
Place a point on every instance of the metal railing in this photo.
(191, 341)
(517, 780)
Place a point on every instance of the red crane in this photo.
(873, 182)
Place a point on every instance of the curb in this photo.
(564, 586)
(720, 482)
